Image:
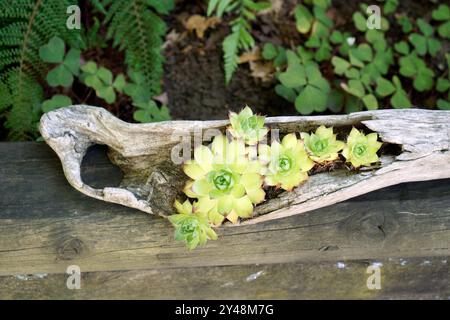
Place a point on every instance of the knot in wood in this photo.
(70, 249)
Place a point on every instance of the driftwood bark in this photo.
(151, 181)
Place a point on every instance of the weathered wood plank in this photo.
(45, 225)
(418, 278)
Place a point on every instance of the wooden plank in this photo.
(39, 234)
(418, 278)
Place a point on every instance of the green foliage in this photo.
(25, 26)
(240, 37)
(57, 101)
(362, 66)
(224, 180)
(399, 98)
(247, 126)
(443, 85)
(322, 145)
(149, 112)
(102, 81)
(191, 227)
(93, 38)
(226, 177)
(412, 66)
(136, 88)
(390, 6)
(425, 42)
(68, 65)
(442, 15)
(361, 149)
(303, 79)
(405, 23)
(289, 163)
(318, 25)
(135, 27)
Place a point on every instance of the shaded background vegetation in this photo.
(191, 80)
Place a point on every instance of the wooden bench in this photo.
(46, 226)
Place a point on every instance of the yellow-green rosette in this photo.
(224, 181)
(288, 162)
(247, 126)
(361, 149)
(322, 145)
(191, 226)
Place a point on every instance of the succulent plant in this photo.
(322, 145)
(191, 226)
(361, 149)
(247, 126)
(288, 162)
(224, 181)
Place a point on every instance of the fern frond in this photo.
(230, 48)
(25, 96)
(137, 29)
(26, 25)
(240, 37)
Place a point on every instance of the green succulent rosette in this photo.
(361, 149)
(322, 145)
(247, 126)
(225, 182)
(288, 162)
(191, 226)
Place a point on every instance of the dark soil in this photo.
(194, 77)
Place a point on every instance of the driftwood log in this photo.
(151, 181)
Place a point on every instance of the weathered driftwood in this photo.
(151, 181)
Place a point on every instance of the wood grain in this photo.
(45, 225)
(418, 278)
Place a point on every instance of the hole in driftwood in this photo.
(97, 170)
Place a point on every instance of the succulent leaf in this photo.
(247, 126)
(322, 145)
(191, 226)
(224, 180)
(361, 149)
(288, 162)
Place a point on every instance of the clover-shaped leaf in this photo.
(102, 81)
(402, 47)
(53, 51)
(313, 96)
(149, 112)
(294, 76)
(405, 23)
(442, 14)
(340, 65)
(424, 42)
(413, 67)
(399, 97)
(68, 66)
(443, 104)
(57, 101)
(303, 18)
(269, 51)
(137, 89)
(390, 6)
